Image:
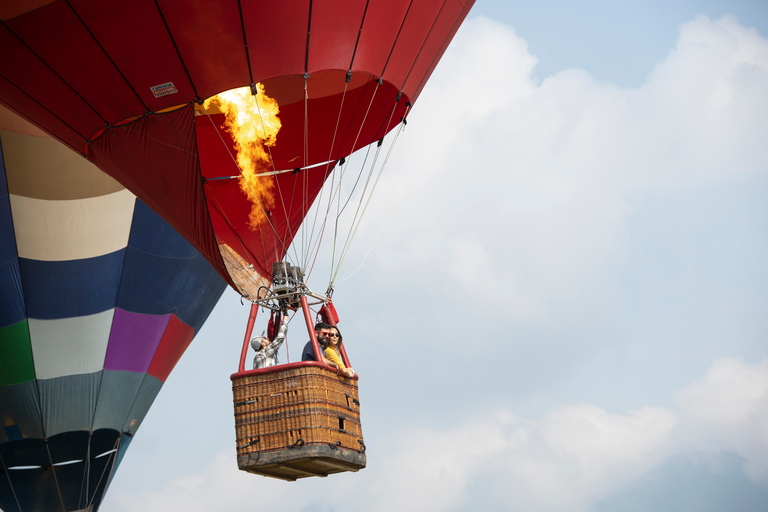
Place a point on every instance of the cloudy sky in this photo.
(564, 305)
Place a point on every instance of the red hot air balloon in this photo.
(118, 82)
(126, 84)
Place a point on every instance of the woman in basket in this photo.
(332, 352)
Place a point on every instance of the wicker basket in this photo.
(297, 420)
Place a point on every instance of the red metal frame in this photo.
(248, 332)
(312, 338)
(311, 329)
(331, 316)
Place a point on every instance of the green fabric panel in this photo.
(16, 363)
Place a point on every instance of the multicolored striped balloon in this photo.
(99, 298)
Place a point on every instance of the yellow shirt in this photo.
(331, 354)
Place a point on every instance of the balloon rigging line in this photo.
(111, 469)
(370, 196)
(381, 224)
(339, 211)
(234, 160)
(307, 243)
(333, 141)
(277, 183)
(245, 249)
(221, 211)
(350, 235)
(10, 483)
(305, 179)
(55, 478)
(357, 137)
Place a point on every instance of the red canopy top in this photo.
(97, 73)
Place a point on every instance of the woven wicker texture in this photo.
(286, 415)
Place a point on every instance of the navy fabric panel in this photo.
(11, 296)
(71, 480)
(100, 473)
(68, 403)
(25, 452)
(63, 289)
(103, 440)
(3, 179)
(34, 488)
(82, 483)
(151, 234)
(18, 405)
(8, 245)
(116, 395)
(201, 293)
(12, 309)
(151, 284)
(69, 446)
(149, 389)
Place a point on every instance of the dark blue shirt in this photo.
(309, 353)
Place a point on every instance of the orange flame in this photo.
(253, 124)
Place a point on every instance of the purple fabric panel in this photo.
(133, 340)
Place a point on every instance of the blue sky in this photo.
(564, 307)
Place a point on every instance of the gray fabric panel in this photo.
(19, 412)
(68, 403)
(149, 389)
(116, 396)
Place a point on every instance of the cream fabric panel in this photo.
(44, 168)
(69, 346)
(74, 229)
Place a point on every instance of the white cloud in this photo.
(530, 186)
(570, 459)
(728, 410)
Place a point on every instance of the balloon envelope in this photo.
(96, 74)
(99, 298)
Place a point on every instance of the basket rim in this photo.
(288, 366)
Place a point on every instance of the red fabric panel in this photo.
(21, 68)
(414, 32)
(267, 244)
(277, 36)
(229, 207)
(80, 63)
(16, 100)
(175, 340)
(325, 90)
(212, 48)
(155, 158)
(134, 36)
(445, 28)
(382, 23)
(335, 25)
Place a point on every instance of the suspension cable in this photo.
(362, 197)
(55, 478)
(111, 467)
(381, 224)
(10, 483)
(368, 202)
(277, 182)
